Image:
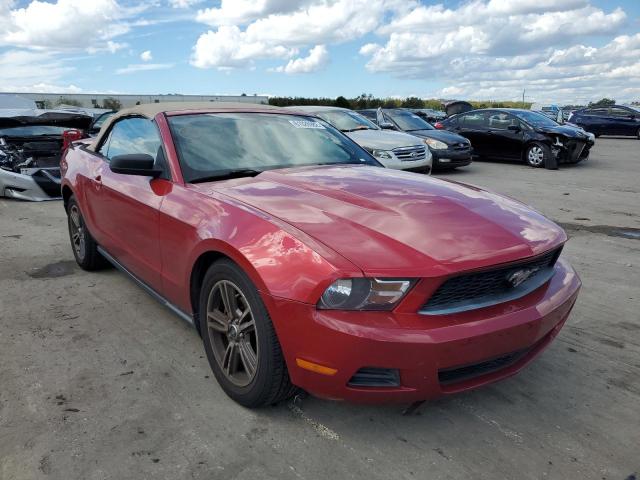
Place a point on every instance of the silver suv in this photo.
(396, 150)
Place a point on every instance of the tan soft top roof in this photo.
(150, 110)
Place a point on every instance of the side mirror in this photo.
(387, 126)
(135, 164)
(514, 128)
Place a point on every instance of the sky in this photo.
(556, 51)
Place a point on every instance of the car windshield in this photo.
(32, 131)
(347, 121)
(408, 121)
(101, 119)
(536, 119)
(220, 144)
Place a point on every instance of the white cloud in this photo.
(229, 47)
(110, 46)
(183, 3)
(43, 88)
(284, 28)
(143, 67)
(316, 60)
(494, 49)
(20, 68)
(66, 24)
(238, 12)
(146, 56)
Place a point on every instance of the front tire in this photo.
(85, 248)
(539, 155)
(239, 338)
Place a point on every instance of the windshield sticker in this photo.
(306, 124)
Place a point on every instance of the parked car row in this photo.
(31, 140)
(392, 149)
(448, 150)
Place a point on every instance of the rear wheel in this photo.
(85, 248)
(239, 339)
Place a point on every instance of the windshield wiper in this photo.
(360, 127)
(228, 174)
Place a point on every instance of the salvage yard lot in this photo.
(99, 381)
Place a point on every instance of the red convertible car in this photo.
(302, 263)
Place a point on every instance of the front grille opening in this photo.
(448, 376)
(375, 377)
(489, 287)
(410, 153)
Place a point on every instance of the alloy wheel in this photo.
(76, 229)
(232, 332)
(535, 156)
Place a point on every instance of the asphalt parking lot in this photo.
(98, 381)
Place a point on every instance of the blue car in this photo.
(612, 120)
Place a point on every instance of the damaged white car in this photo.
(31, 143)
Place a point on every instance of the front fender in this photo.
(281, 261)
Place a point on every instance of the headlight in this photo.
(383, 154)
(364, 293)
(435, 144)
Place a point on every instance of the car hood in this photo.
(566, 130)
(445, 136)
(382, 139)
(59, 118)
(389, 222)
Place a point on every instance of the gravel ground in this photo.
(98, 381)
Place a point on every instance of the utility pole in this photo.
(523, 90)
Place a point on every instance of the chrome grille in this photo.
(410, 154)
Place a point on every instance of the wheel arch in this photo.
(202, 262)
(66, 195)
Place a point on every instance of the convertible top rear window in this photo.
(211, 144)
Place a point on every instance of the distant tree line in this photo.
(109, 103)
(366, 100)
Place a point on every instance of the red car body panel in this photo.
(295, 231)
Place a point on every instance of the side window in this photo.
(473, 120)
(134, 135)
(502, 121)
(370, 115)
(597, 112)
(620, 112)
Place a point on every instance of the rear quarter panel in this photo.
(76, 168)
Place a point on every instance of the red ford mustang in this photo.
(303, 263)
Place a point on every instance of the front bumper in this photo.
(38, 185)
(450, 158)
(572, 151)
(426, 350)
(417, 165)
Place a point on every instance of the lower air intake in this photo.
(460, 374)
(375, 377)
